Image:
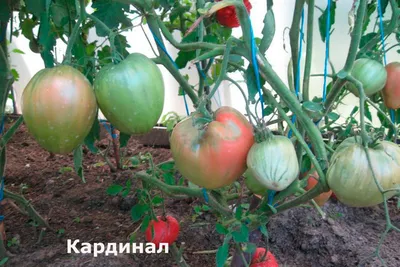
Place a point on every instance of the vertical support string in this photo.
(162, 47)
(327, 41)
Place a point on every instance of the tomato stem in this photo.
(75, 32)
(351, 57)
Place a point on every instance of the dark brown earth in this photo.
(298, 237)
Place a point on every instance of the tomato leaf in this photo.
(239, 212)
(114, 189)
(5, 12)
(78, 157)
(145, 223)
(264, 230)
(93, 135)
(169, 178)
(333, 116)
(268, 31)
(27, 28)
(222, 255)
(123, 139)
(15, 74)
(252, 83)
(110, 13)
(322, 20)
(138, 211)
(355, 109)
(47, 40)
(36, 7)
(168, 166)
(241, 236)
(221, 229)
(157, 200)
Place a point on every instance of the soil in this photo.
(84, 211)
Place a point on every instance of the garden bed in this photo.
(85, 212)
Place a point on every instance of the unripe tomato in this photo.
(262, 258)
(166, 230)
(227, 16)
(350, 177)
(215, 156)
(391, 91)
(254, 185)
(59, 108)
(273, 162)
(370, 73)
(131, 94)
(313, 181)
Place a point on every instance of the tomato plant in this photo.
(164, 230)
(391, 91)
(212, 147)
(59, 108)
(214, 155)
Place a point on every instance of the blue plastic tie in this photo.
(109, 129)
(255, 67)
(205, 195)
(297, 86)
(327, 39)
(271, 195)
(161, 45)
(392, 117)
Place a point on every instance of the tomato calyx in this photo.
(262, 133)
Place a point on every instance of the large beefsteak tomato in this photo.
(370, 73)
(391, 91)
(130, 94)
(215, 156)
(59, 108)
(350, 177)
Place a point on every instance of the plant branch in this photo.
(310, 33)
(294, 36)
(75, 33)
(179, 190)
(351, 57)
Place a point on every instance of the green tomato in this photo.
(370, 73)
(130, 94)
(254, 185)
(59, 108)
(350, 176)
(273, 162)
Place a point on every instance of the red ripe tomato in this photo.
(262, 258)
(213, 157)
(166, 230)
(391, 91)
(322, 198)
(227, 15)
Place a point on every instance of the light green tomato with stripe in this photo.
(273, 162)
(130, 94)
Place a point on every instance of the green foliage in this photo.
(323, 18)
(112, 14)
